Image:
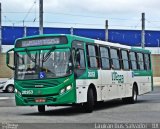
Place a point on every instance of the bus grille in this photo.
(39, 84)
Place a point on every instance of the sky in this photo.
(121, 14)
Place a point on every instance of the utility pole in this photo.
(143, 31)
(71, 31)
(40, 16)
(158, 46)
(0, 29)
(106, 31)
(25, 31)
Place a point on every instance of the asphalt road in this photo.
(146, 110)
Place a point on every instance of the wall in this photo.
(5, 72)
(156, 65)
(126, 37)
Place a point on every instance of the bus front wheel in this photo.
(41, 108)
(89, 105)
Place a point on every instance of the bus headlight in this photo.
(62, 91)
(68, 87)
(65, 89)
(17, 92)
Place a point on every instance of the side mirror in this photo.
(8, 59)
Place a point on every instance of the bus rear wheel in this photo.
(133, 98)
(89, 105)
(134, 95)
(41, 108)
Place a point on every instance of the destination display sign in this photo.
(41, 41)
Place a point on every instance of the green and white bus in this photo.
(59, 69)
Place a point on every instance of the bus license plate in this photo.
(40, 100)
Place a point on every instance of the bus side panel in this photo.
(82, 86)
(144, 84)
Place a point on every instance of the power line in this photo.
(76, 23)
(8, 20)
(138, 24)
(153, 23)
(77, 15)
(29, 11)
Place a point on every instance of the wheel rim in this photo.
(10, 89)
(135, 95)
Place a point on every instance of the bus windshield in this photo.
(42, 64)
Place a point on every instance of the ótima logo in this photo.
(42, 75)
(117, 77)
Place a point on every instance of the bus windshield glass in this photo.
(42, 64)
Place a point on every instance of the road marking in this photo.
(5, 98)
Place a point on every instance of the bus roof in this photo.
(74, 37)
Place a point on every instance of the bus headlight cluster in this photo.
(65, 89)
(17, 92)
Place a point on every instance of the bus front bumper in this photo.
(51, 100)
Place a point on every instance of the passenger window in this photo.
(147, 61)
(115, 58)
(92, 55)
(133, 60)
(104, 55)
(140, 61)
(125, 59)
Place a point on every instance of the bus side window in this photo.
(115, 58)
(105, 59)
(147, 61)
(92, 54)
(125, 59)
(80, 59)
(140, 61)
(133, 60)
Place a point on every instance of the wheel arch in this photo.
(93, 87)
(135, 85)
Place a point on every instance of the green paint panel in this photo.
(142, 73)
(50, 91)
(140, 50)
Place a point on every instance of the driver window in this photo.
(80, 59)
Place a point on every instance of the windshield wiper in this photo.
(19, 57)
(30, 56)
(45, 58)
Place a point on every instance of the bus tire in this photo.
(89, 105)
(133, 98)
(41, 108)
(125, 100)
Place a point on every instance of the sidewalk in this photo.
(3, 79)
